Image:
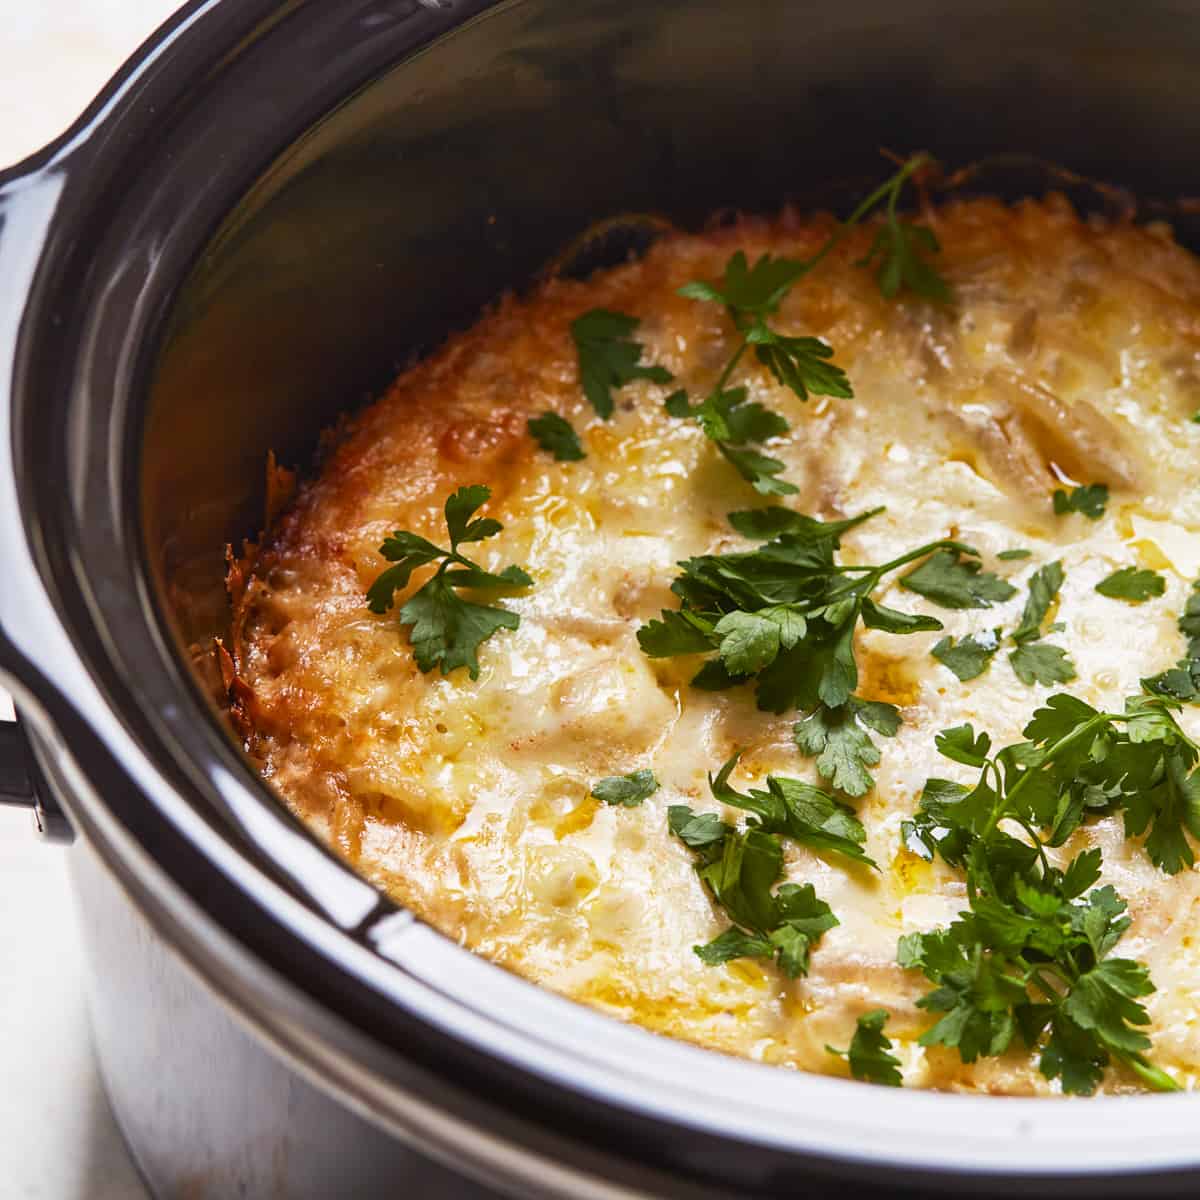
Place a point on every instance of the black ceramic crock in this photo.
(273, 204)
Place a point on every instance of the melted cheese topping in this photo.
(1072, 354)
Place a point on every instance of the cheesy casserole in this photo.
(1069, 355)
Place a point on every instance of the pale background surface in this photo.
(57, 1137)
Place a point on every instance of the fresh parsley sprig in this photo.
(869, 1054)
(969, 656)
(740, 867)
(1077, 761)
(753, 294)
(1182, 681)
(446, 630)
(609, 357)
(900, 249)
(750, 294)
(785, 615)
(1031, 955)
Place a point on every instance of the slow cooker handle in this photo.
(19, 784)
(29, 193)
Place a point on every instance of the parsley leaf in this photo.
(962, 745)
(749, 294)
(870, 1054)
(1077, 760)
(1034, 661)
(1133, 585)
(798, 810)
(954, 581)
(1032, 954)
(892, 620)
(1182, 682)
(557, 435)
(1090, 500)
(608, 357)
(727, 416)
(626, 790)
(754, 291)
(1044, 587)
(842, 747)
(750, 641)
(734, 943)
(759, 470)
(970, 656)
(697, 831)
(773, 520)
(1040, 662)
(739, 871)
(799, 363)
(446, 630)
(681, 632)
(900, 249)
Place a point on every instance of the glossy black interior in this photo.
(460, 173)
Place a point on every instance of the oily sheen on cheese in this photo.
(1072, 353)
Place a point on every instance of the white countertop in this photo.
(58, 1140)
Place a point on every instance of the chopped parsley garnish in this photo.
(1010, 555)
(792, 808)
(447, 630)
(785, 616)
(1030, 956)
(869, 1055)
(1090, 500)
(1182, 681)
(1132, 584)
(608, 356)
(557, 435)
(970, 656)
(1040, 662)
(628, 791)
(1044, 586)
(740, 867)
(1033, 660)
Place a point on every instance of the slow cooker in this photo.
(272, 205)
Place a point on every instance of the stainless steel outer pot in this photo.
(272, 204)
